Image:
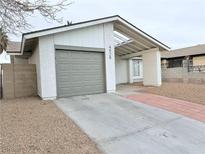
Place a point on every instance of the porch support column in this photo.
(130, 63)
(109, 57)
(152, 68)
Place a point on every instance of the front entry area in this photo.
(79, 72)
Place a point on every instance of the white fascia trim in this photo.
(58, 30)
(143, 34)
(22, 46)
(14, 54)
(82, 25)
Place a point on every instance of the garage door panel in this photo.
(81, 76)
(79, 73)
(71, 74)
(75, 56)
(79, 79)
(81, 89)
(96, 73)
(77, 68)
(77, 61)
(89, 56)
(76, 81)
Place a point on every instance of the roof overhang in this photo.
(183, 52)
(139, 40)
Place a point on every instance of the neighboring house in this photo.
(11, 47)
(195, 56)
(184, 65)
(5, 58)
(91, 57)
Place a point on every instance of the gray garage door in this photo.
(79, 73)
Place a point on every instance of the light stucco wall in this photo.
(47, 67)
(152, 68)
(35, 59)
(18, 60)
(100, 36)
(108, 38)
(122, 72)
(85, 37)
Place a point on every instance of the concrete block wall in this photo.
(7, 81)
(181, 74)
(195, 77)
(19, 80)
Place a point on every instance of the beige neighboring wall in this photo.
(8, 81)
(18, 60)
(200, 60)
(19, 80)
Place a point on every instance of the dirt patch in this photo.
(189, 92)
(30, 126)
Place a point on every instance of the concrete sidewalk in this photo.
(122, 126)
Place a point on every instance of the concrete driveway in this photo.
(121, 126)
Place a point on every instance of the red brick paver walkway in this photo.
(192, 110)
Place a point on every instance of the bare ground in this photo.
(189, 92)
(31, 126)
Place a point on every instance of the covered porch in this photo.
(137, 55)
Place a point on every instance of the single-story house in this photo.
(12, 47)
(91, 57)
(195, 55)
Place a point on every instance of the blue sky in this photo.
(177, 23)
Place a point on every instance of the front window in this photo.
(136, 67)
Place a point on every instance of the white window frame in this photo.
(140, 68)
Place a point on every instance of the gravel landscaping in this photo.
(189, 92)
(31, 126)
